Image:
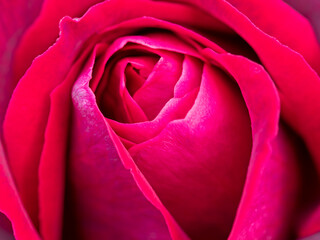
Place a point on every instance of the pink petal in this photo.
(267, 208)
(113, 97)
(54, 156)
(15, 17)
(310, 9)
(185, 92)
(159, 86)
(175, 108)
(11, 205)
(312, 237)
(190, 76)
(45, 30)
(24, 127)
(285, 24)
(190, 165)
(298, 84)
(263, 105)
(103, 198)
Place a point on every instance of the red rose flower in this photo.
(160, 120)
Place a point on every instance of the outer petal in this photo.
(310, 9)
(284, 24)
(15, 17)
(268, 206)
(11, 204)
(298, 84)
(254, 214)
(45, 30)
(54, 155)
(24, 127)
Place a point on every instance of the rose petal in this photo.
(312, 237)
(310, 9)
(11, 205)
(263, 106)
(185, 92)
(159, 86)
(113, 97)
(103, 198)
(24, 127)
(285, 24)
(45, 30)
(190, 165)
(298, 89)
(175, 108)
(190, 76)
(15, 17)
(267, 208)
(54, 155)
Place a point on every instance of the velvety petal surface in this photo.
(54, 154)
(310, 9)
(45, 30)
(285, 24)
(254, 213)
(190, 164)
(185, 92)
(11, 208)
(103, 200)
(15, 17)
(25, 127)
(298, 89)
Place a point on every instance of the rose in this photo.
(215, 161)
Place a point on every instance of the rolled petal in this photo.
(190, 165)
(11, 207)
(103, 200)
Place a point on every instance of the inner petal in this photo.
(197, 165)
(159, 87)
(185, 93)
(138, 70)
(115, 100)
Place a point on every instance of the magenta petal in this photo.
(24, 127)
(263, 104)
(298, 89)
(159, 86)
(113, 97)
(11, 204)
(297, 82)
(270, 197)
(103, 199)
(54, 157)
(190, 76)
(310, 9)
(45, 30)
(15, 17)
(175, 108)
(284, 24)
(190, 165)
